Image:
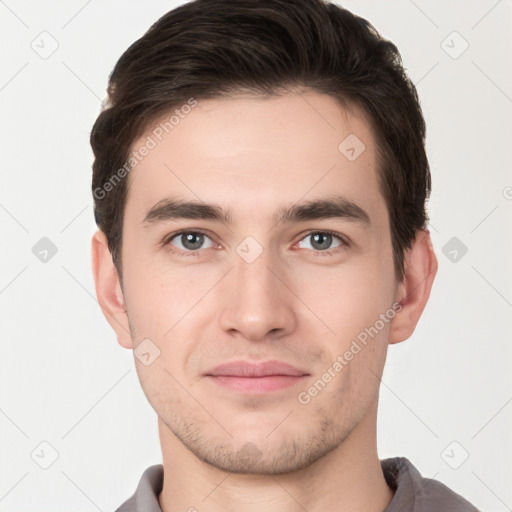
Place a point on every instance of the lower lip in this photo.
(257, 384)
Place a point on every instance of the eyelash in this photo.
(185, 254)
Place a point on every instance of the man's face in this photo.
(299, 290)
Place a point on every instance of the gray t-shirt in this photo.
(413, 493)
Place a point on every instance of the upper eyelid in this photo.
(342, 237)
(172, 236)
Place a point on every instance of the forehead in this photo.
(253, 154)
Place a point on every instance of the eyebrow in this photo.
(332, 207)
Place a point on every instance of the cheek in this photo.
(348, 298)
(159, 295)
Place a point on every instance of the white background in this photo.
(64, 379)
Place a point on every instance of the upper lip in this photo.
(247, 369)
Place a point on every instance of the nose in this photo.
(257, 301)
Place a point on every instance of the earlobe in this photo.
(108, 289)
(414, 291)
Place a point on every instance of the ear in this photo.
(420, 268)
(108, 289)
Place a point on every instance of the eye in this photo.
(188, 242)
(321, 242)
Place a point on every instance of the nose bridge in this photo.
(254, 276)
(258, 301)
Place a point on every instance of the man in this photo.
(260, 181)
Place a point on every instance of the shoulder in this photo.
(415, 493)
(145, 498)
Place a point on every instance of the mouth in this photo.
(256, 378)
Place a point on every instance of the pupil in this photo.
(188, 240)
(322, 235)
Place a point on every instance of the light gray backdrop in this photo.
(76, 430)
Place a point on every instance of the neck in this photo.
(349, 477)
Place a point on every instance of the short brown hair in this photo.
(209, 49)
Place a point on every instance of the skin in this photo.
(226, 450)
